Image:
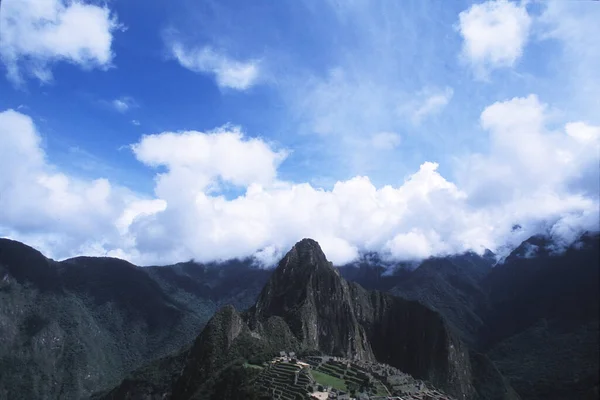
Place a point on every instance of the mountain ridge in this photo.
(74, 327)
(78, 300)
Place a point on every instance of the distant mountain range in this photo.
(103, 328)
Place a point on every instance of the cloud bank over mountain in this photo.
(540, 178)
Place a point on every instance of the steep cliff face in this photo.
(227, 340)
(209, 351)
(534, 316)
(414, 339)
(452, 287)
(326, 313)
(488, 381)
(315, 302)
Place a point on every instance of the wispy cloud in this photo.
(378, 61)
(386, 140)
(88, 162)
(575, 26)
(428, 102)
(228, 73)
(35, 35)
(123, 104)
(135, 122)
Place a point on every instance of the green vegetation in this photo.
(79, 327)
(328, 380)
(153, 379)
(248, 365)
(536, 360)
(234, 383)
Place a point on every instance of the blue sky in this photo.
(325, 92)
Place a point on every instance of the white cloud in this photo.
(135, 122)
(494, 33)
(137, 209)
(123, 104)
(229, 73)
(385, 140)
(47, 207)
(583, 132)
(428, 102)
(425, 215)
(223, 153)
(413, 244)
(540, 178)
(36, 34)
(526, 154)
(353, 215)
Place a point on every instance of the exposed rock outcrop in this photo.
(316, 303)
(308, 303)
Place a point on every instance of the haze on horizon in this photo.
(163, 132)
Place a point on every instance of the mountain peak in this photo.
(313, 299)
(308, 248)
(308, 244)
(303, 264)
(304, 256)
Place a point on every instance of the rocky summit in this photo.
(315, 302)
(306, 306)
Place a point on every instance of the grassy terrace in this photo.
(278, 380)
(290, 382)
(329, 380)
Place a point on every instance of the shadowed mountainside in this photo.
(79, 326)
(74, 327)
(450, 285)
(535, 314)
(541, 327)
